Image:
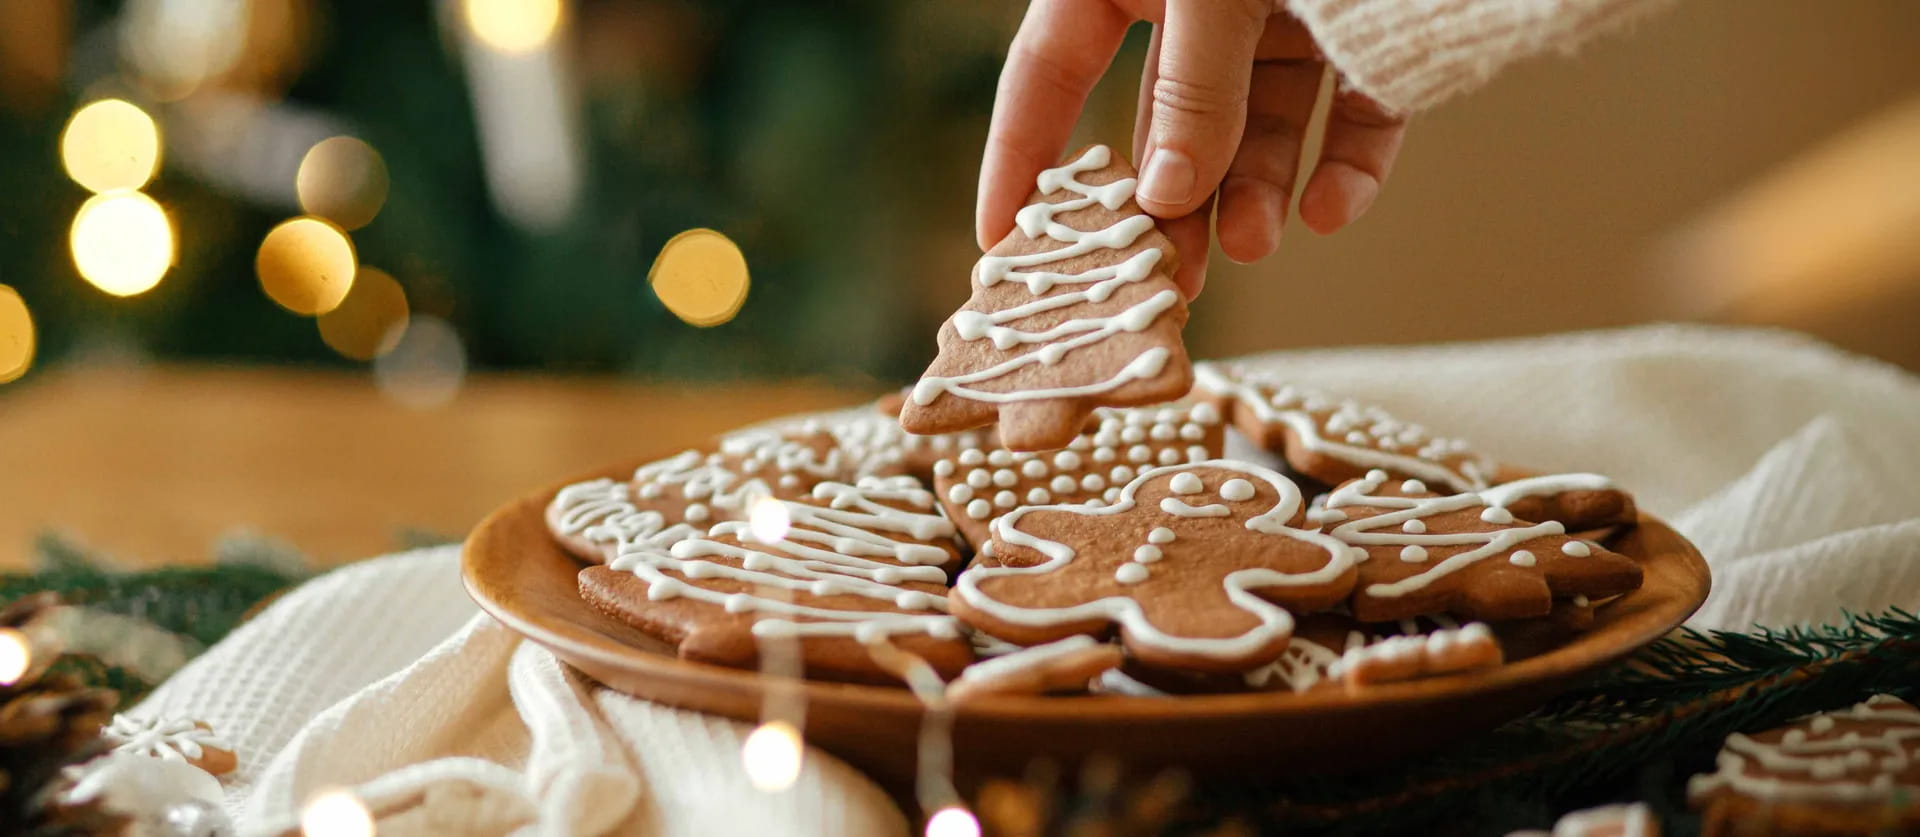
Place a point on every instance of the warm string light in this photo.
(122, 242)
(774, 752)
(16, 656)
(371, 321)
(343, 180)
(336, 813)
(110, 145)
(701, 276)
(953, 821)
(306, 265)
(426, 368)
(16, 335)
(772, 756)
(515, 27)
(768, 520)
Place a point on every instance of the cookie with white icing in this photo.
(1066, 665)
(682, 495)
(1850, 771)
(978, 485)
(1462, 553)
(1619, 820)
(855, 564)
(1194, 566)
(1075, 309)
(1392, 659)
(192, 742)
(1333, 440)
(876, 446)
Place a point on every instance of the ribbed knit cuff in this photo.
(1410, 55)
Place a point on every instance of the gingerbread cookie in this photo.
(1333, 440)
(1852, 771)
(1066, 665)
(1195, 565)
(1412, 657)
(856, 563)
(976, 486)
(1074, 309)
(876, 446)
(1463, 554)
(680, 496)
(1620, 820)
(192, 742)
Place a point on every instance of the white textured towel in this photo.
(1794, 467)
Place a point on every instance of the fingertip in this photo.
(1336, 196)
(1192, 276)
(1252, 218)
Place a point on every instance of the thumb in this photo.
(1199, 100)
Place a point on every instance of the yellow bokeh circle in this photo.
(701, 276)
(110, 144)
(371, 320)
(307, 265)
(513, 26)
(16, 335)
(342, 180)
(122, 242)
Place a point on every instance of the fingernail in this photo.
(1168, 177)
(1363, 193)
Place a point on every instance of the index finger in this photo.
(1062, 49)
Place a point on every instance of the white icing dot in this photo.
(1169, 456)
(1235, 490)
(1106, 439)
(1160, 534)
(943, 468)
(1130, 573)
(1034, 468)
(1576, 549)
(1079, 443)
(697, 513)
(1005, 477)
(979, 509)
(1112, 494)
(1000, 457)
(1497, 515)
(1413, 487)
(1165, 432)
(1121, 473)
(960, 492)
(979, 478)
(1192, 432)
(1521, 558)
(1166, 415)
(1137, 416)
(1066, 460)
(1197, 453)
(1133, 435)
(1140, 453)
(650, 491)
(1413, 553)
(1039, 497)
(1147, 554)
(1414, 527)
(1357, 438)
(1204, 413)
(1092, 482)
(1005, 499)
(1186, 483)
(1063, 484)
(1103, 455)
(973, 456)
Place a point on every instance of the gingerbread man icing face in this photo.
(1194, 564)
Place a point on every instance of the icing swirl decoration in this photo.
(1869, 753)
(1091, 571)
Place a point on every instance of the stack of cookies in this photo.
(1051, 508)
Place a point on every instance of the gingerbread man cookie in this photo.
(1333, 440)
(977, 485)
(1852, 771)
(853, 564)
(1195, 565)
(1074, 309)
(680, 496)
(1463, 554)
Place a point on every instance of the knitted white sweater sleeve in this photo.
(1412, 54)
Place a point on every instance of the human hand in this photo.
(1225, 97)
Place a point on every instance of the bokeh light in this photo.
(342, 180)
(336, 813)
(122, 242)
(514, 26)
(768, 520)
(701, 276)
(371, 320)
(953, 821)
(16, 656)
(426, 368)
(109, 145)
(772, 755)
(307, 265)
(16, 335)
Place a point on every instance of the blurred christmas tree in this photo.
(539, 153)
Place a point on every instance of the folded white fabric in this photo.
(1796, 469)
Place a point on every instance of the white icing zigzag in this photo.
(858, 543)
(1101, 283)
(1817, 769)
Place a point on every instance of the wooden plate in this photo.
(516, 572)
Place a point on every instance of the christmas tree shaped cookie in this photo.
(1073, 310)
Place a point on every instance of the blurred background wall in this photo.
(525, 160)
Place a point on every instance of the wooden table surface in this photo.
(153, 465)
